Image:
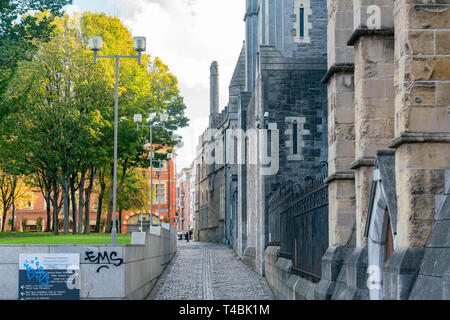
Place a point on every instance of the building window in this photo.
(302, 22)
(29, 205)
(295, 126)
(159, 193)
(302, 11)
(295, 138)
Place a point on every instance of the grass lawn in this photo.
(50, 238)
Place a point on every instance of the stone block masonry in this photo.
(374, 99)
(422, 127)
(341, 122)
(401, 101)
(284, 284)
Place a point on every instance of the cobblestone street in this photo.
(206, 271)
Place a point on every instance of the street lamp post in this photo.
(138, 120)
(96, 45)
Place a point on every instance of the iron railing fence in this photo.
(298, 223)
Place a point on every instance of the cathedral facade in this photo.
(273, 131)
(388, 85)
(362, 87)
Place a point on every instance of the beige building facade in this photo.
(389, 150)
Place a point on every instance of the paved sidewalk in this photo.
(206, 271)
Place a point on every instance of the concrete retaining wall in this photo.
(133, 279)
(284, 285)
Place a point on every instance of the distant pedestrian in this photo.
(187, 236)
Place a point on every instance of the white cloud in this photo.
(188, 35)
(72, 9)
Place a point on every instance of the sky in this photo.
(187, 35)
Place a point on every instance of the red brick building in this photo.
(184, 190)
(34, 217)
(164, 191)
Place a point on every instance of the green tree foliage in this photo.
(134, 195)
(65, 132)
(18, 34)
(135, 192)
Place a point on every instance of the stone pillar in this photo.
(279, 23)
(341, 144)
(373, 39)
(422, 119)
(244, 99)
(341, 129)
(270, 22)
(262, 21)
(251, 42)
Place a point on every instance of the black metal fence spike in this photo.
(298, 214)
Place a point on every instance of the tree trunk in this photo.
(49, 217)
(119, 188)
(99, 211)
(74, 204)
(87, 203)
(6, 197)
(55, 207)
(81, 202)
(101, 178)
(110, 203)
(120, 221)
(65, 191)
(5, 211)
(13, 211)
(13, 199)
(108, 227)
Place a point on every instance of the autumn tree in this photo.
(66, 130)
(134, 194)
(143, 89)
(19, 32)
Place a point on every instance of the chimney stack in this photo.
(214, 89)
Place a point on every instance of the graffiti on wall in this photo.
(103, 259)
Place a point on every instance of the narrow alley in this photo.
(208, 271)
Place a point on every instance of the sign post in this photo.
(49, 277)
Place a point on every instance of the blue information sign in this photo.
(49, 277)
